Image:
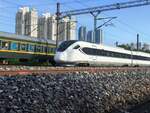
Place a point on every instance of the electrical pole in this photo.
(137, 42)
(95, 15)
(57, 21)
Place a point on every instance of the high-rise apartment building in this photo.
(47, 26)
(32, 23)
(67, 29)
(90, 36)
(146, 46)
(72, 28)
(51, 28)
(26, 22)
(99, 36)
(82, 33)
(62, 32)
(42, 25)
(21, 21)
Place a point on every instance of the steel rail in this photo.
(73, 69)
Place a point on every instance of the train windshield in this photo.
(64, 45)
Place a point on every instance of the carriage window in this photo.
(54, 50)
(38, 48)
(45, 49)
(23, 47)
(0, 44)
(14, 46)
(49, 50)
(31, 48)
(5, 45)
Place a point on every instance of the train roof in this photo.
(25, 38)
(101, 45)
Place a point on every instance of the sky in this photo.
(125, 27)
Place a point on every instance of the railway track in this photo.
(57, 70)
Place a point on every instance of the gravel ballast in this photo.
(116, 92)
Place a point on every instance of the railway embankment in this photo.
(79, 92)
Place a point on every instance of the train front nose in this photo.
(60, 57)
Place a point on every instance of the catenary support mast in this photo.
(57, 21)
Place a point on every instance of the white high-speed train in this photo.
(82, 53)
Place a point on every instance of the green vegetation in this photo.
(128, 47)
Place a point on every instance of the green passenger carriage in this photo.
(18, 49)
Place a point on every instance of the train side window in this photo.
(38, 48)
(23, 47)
(108, 53)
(14, 46)
(45, 49)
(0, 44)
(112, 54)
(5, 45)
(31, 48)
(41, 49)
(48, 50)
(53, 50)
(104, 53)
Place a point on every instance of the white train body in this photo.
(80, 52)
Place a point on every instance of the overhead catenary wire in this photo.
(120, 22)
(133, 28)
(65, 3)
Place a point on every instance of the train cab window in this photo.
(5, 45)
(31, 48)
(23, 47)
(76, 47)
(64, 45)
(14, 46)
